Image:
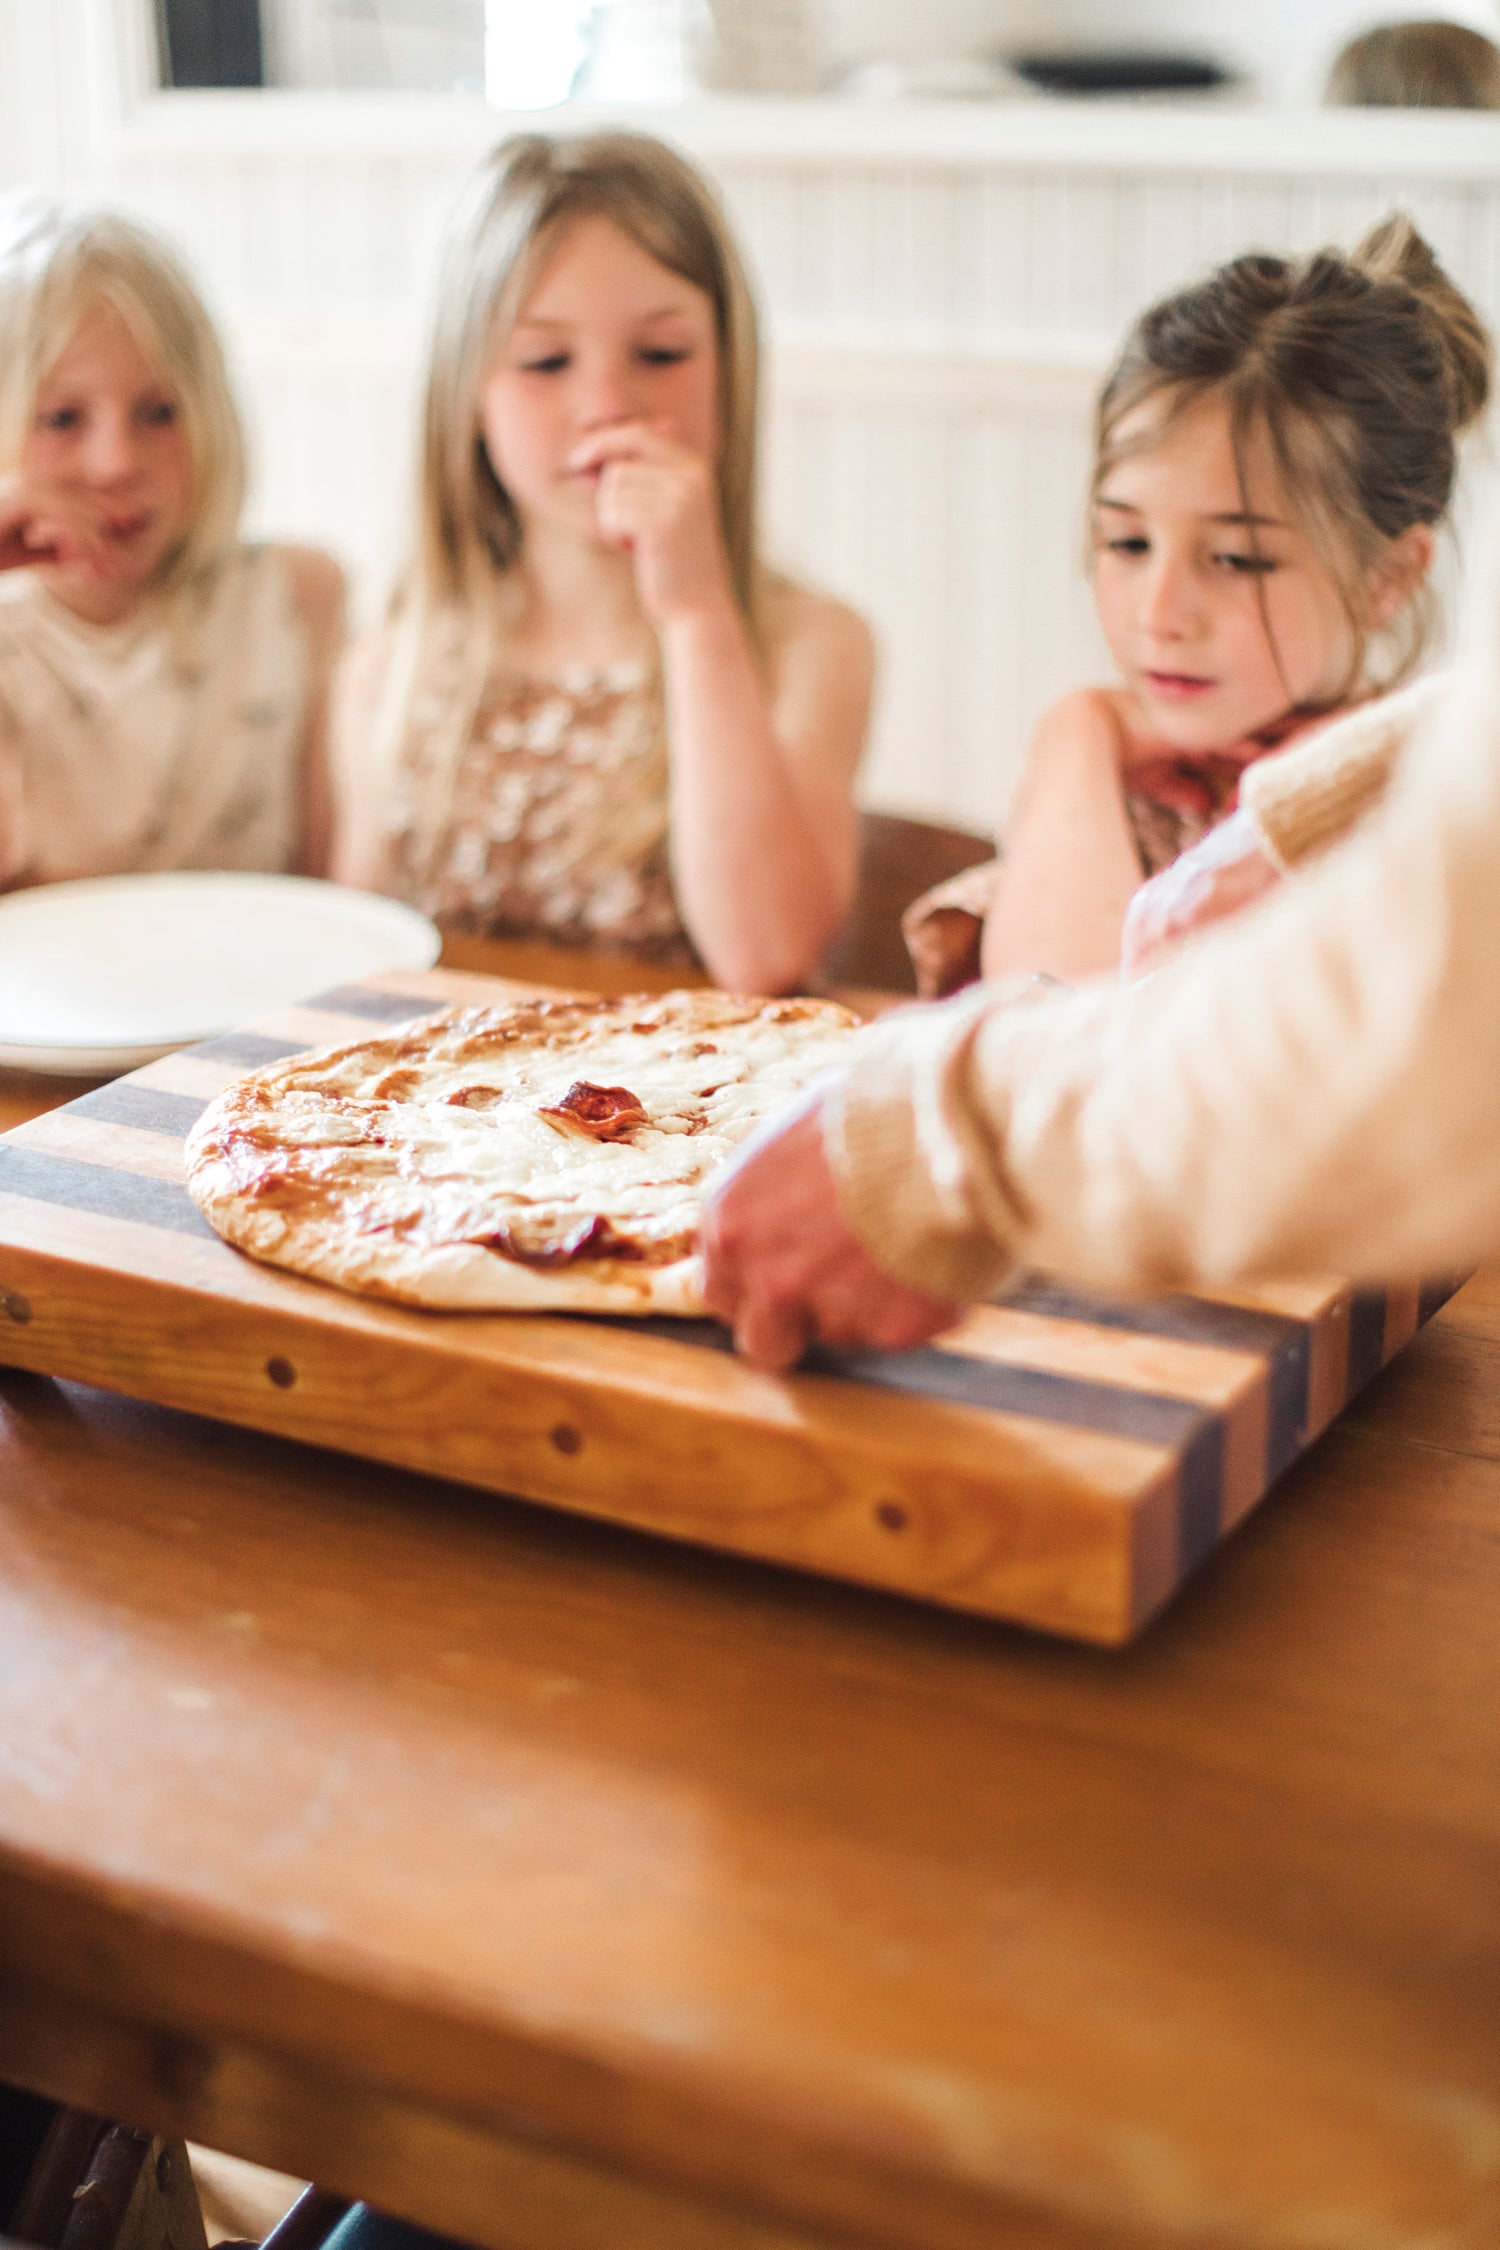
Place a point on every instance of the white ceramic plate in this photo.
(103, 976)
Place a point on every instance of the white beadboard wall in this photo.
(942, 288)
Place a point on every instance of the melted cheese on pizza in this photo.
(552, 1132)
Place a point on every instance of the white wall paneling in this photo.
(943, 288)
(70, 71)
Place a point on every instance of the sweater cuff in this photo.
(1310, 795)
(1299, 812)
(898, 1128)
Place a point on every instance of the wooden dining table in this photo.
(565, 1889)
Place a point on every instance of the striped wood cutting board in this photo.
(1062, 1460)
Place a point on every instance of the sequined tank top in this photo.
(552, 821)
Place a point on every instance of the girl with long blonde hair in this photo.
(163, 683)
(594, 715)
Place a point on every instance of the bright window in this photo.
(524, 53)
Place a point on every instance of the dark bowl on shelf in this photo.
(1100, 70)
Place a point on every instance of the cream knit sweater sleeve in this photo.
(1315, 1086)
(1307, 797)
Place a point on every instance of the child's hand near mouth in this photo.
(658, 501)
(42, 524)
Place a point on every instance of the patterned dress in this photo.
(554, 817)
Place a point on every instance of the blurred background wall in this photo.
(944, 283)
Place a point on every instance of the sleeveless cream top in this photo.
(172, 740)
(549, 819)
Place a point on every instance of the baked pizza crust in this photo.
(481, 1160)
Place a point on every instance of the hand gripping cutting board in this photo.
(1062, 1460)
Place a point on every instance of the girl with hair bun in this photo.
(1276, 449)
(595, 716)
(162, 682)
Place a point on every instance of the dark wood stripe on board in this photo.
(1154, 1417)
(150, 1109)
(1284, 1343)
(1366, 1339)
(252, 1048)
(100, 1189)
(376, 1007)
(1186, 1320)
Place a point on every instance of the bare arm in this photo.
(318, 597)
(764, 830)
(763, 761)
(359, 856)
(1070, 865)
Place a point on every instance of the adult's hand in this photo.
(783, 1268)
(1226, 871)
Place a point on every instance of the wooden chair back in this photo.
(898, 860)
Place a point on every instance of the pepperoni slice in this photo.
(598, 1113)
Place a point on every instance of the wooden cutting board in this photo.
(1060, 1459)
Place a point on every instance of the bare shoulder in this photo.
(1093, 713)
(317, 584)
(803, 623)
(1088, 722)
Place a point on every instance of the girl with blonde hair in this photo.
(163, 683)
(595, 716)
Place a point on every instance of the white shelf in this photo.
(1158, 137)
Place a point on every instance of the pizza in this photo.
(549, 1156)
